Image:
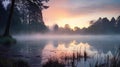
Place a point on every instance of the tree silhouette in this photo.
(3, 17)
(55, 27)
(32, 5)
(7, 33)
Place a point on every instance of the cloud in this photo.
(85, 7)
(6, 3)
(95, 9)
(82, 10)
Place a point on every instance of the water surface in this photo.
(38, 49)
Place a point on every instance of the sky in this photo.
(79, 12)
(5, 3)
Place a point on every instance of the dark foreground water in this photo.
(37, 49)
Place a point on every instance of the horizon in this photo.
(94, 21)
(79, 14)
(83, 33)
(62, 12)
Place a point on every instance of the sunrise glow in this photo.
(63, 49)
(79, 12)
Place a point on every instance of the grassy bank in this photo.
(5, 62)
(7, 40)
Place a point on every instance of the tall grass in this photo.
(76, 57)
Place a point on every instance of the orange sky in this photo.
(76, 13)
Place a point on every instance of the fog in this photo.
(65, 37)
(48, 45)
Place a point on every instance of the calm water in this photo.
(38, 49)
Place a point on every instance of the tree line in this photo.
(100, 26)
(25, 16)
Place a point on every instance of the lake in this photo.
(37, 49)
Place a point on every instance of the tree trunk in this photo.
(7, 29)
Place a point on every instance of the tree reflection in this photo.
(63, 49)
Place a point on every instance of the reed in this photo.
(73, 59)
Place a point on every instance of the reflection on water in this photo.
(37, 51)
(73, 51)
(63, 49)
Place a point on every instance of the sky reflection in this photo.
(62, 50)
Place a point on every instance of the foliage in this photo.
(27, 16)
(100, 26)
(7, 40)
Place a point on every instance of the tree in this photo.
(77, 29)
(32, 13)
(55, 27)
(91, 22)
(7, 33)
(31, 10)
(3, 17)
(67, 28)
(118, 24)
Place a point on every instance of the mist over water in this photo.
(37, 48)
(54, 36)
